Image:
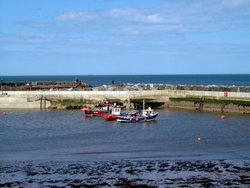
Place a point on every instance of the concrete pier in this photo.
(46, 99)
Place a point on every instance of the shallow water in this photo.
(68, 135)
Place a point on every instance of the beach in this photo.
(127, 173)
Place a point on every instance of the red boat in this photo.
(116, 111)
(99, 111)
(90, 113)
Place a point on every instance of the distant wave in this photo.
(97, 80)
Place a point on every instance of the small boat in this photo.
(145, 116)
(115, 112)
(89, 112)
(102, 109)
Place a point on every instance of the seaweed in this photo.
(212, 101)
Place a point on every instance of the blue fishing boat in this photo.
(144, 116)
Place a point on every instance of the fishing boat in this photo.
(115, 112)
(145, 116)
(99, 111)
(90, 113)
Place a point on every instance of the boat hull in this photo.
(124, 119)
(91, 113)
(109, 117)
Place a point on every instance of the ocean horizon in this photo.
(183, 79)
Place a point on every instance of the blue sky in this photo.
(81, 37)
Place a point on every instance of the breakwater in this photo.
(220, 101)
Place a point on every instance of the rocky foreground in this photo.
(149, 173)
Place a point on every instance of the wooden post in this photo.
(41, 102)
(128, 102)
(44, 102)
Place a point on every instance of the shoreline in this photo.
(126, 173)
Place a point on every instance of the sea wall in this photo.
(186, 99)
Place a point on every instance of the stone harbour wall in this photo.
(187, 99)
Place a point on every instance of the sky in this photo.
(106, 37)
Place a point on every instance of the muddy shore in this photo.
(126, 173)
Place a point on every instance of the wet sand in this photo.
(126, 173)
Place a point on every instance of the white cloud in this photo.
(154, 18)
(124, 12)
(135, 15)
(76, 16)
(177, 17)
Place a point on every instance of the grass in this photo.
(212, 101)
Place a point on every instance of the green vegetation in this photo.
(196, 100)
(74, 101)
(187, 99)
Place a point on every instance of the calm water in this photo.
(68, 135)
(236, 79)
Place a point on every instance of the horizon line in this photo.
(134, 74)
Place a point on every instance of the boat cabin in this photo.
(147, 112)
(116, 110)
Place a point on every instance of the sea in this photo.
(97, 80)
(67, 135)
